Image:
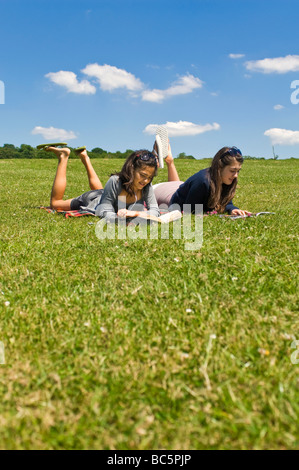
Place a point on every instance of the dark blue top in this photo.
(196, 190)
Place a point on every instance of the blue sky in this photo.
(102, 73)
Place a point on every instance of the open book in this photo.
(244, 216)
(165, 218)
(262, 213)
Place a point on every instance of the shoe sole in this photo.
(79, 149)
(59, 144)
(162, 144)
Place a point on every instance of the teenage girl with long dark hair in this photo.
(213, 187)
(128, 193)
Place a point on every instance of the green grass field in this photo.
(141, 344)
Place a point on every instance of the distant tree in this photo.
(9, 146)
(275, 157)
(26, 151)
(98, 150)
(7, 152)
(248, 157)
(182, 155)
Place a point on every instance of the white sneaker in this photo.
(162, 144)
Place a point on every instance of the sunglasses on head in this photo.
(145, 157)
(233, 151)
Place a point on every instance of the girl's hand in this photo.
(239, 212)
(125, 213)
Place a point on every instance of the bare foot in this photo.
(83, 155)
(60, 153)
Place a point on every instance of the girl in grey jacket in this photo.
(127, 194)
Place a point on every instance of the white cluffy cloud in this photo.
(283, 136)
(182, 128)
(277, 107)
(185, 84)
(111, 78)
(51, 133)
(236, 56)
(289, 63)
(70, 82)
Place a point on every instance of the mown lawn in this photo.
(123, 344)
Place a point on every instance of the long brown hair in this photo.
(222, 194)
(136, 161)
